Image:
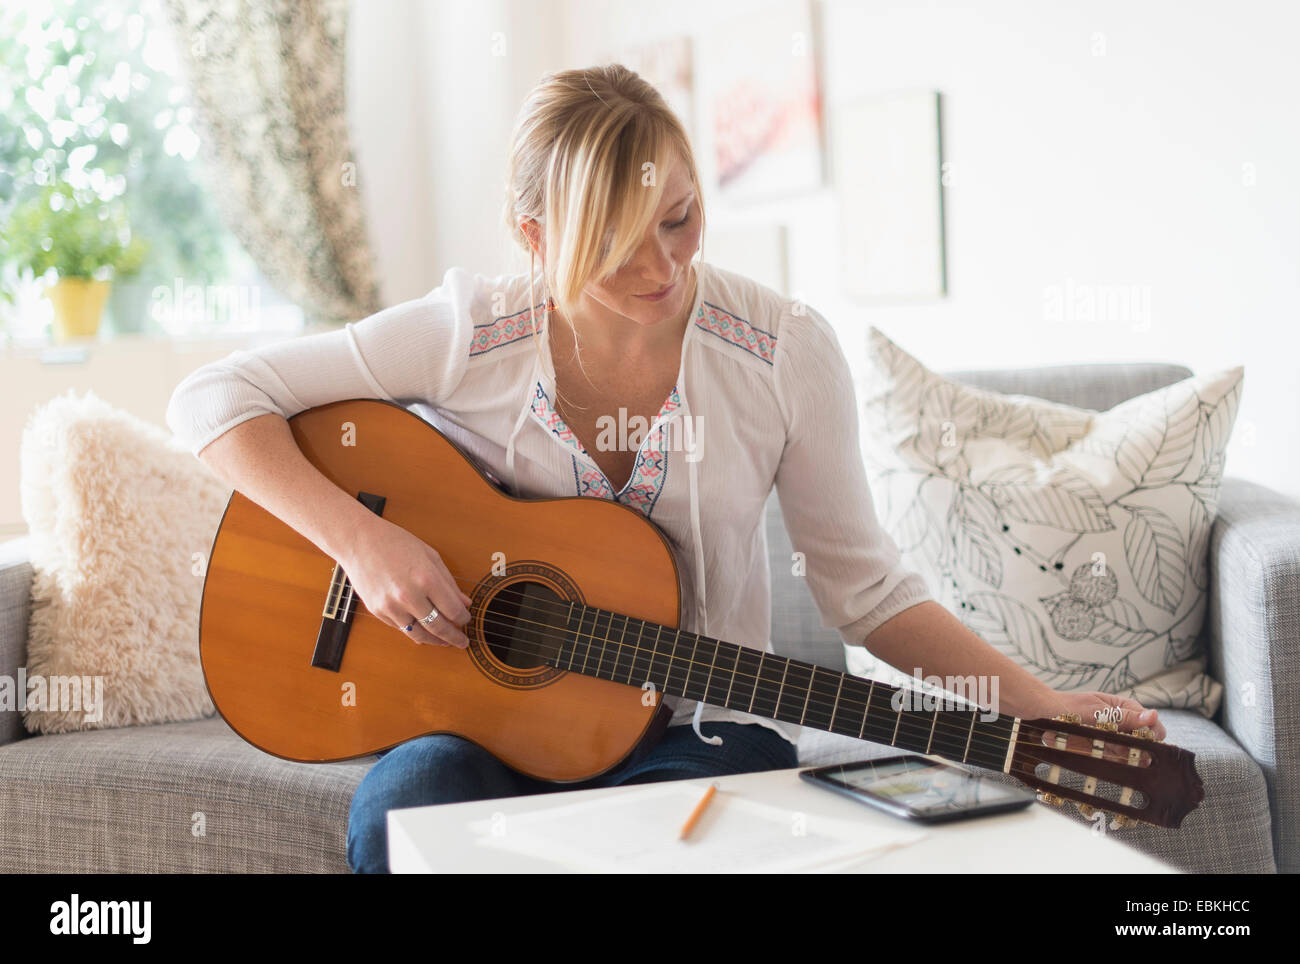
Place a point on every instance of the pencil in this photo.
(698, 812)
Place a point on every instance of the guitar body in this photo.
(267, 587)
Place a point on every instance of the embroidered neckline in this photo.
(651, 461)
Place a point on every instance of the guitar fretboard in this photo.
(624, 649)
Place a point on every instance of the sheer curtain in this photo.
(268, 82)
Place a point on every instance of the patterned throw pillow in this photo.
(1074, 541)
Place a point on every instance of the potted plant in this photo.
(85, 240)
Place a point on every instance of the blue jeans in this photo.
(449, 769)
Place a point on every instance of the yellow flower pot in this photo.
(78, 306)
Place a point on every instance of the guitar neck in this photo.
(609, 645)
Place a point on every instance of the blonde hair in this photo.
(589, 157)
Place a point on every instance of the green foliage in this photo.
(89, 99)
(73, 232)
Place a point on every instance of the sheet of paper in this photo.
(637, 832)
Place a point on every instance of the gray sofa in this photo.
(192, 796)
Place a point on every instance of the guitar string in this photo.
(957, 730)
(999, 744)
(919, 723)
(824, 701)
(916, 726)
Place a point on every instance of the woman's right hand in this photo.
(400, 579)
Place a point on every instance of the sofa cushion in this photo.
(1230, 832)
(170, 798)
(1076, 542)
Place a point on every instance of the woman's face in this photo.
(663, 259)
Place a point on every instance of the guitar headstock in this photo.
(1132, 776)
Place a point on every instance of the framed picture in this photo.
(761, 105)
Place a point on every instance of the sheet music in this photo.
(637, 832)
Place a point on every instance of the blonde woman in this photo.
(741, 389)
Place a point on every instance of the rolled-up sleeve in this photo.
(853, 566)
(409, 352)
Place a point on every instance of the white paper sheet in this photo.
(637, 832)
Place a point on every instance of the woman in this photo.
(740, 389)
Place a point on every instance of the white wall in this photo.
(433, 90)
(1068, 167)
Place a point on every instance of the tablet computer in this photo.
(919, 788)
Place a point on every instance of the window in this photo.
(93, 95)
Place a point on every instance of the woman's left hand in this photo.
(1135, 715)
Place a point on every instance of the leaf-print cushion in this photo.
(1074, 541)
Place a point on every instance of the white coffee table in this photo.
(1037, 839)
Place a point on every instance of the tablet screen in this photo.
(921, 784)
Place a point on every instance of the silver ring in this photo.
(429, 619)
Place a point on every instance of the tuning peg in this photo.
(1122, 822)
(1145, 733)
(1067, 717)
(1051, 798)
(1086, 809)
(1108, 725)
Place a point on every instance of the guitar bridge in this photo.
(340, 606)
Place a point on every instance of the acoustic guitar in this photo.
(574, 641)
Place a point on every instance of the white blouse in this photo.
(764, 397)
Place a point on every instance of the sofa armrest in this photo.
(1253, 633)
(15, 598)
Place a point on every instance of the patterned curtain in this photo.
(268, 83)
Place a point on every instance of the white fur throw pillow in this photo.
(122, 518)
(1074, 541)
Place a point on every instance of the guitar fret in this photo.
(767, 685)
(735, 665)
(636, 652)
(911, 738)
(604, 637)
(815, 712)
(867, 710)
(713, 663)
(626, 649)
(582, 637)
(668, 673)
(780, 692)
(568, 625)
(686, 665)
(997, 732)
(758, 675)
(588, 638)
(850, 699)
(884, 731)
(690, 668)
(808, 695)
(651, 673)
(748, 662)
(835, 705)
(966, 751)
(947, 741)
(726, 673)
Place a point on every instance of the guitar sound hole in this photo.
(524, 624)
